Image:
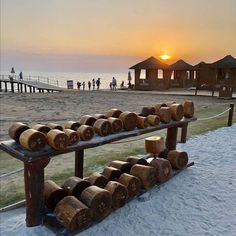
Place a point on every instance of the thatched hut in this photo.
(183, 74)
(151, 74)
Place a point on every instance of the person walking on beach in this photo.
(78, 85)
(114, 83)
(98, 82)
(93, 82)
(83, 84)
(89, 85)
(21, 76)
(110, 85)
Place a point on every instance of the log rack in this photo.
(35, 162)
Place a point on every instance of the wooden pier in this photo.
(22, 86)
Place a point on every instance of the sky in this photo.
(112, 35)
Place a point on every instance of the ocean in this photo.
(60, 78)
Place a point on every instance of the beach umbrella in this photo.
(129, 76)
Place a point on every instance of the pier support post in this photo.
(171, 138)
(231, 112)
(79, 163)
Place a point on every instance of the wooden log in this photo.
(148, 111)
(52, 194)
(72, 125)
(102, 127)
(132, 183)
(163, 154)
(16, 130)
(75, 186)
(87, 120)
(97, 179)
(73, 214)
(85, 132)
(72, 135)
(163, 168)
(111, 173)
(114, 113)
(154, 144)
(41, 128)
(123, 166)
(165, 114)
(146, 174)
(153, 120)
(177, 111)
(33, 140)
(118, 193)
(170, 103)
(55, 126)
(188, 109)
(57, 139)
(100, 116)
(142, 122)
(177, 159)
(158, 106)
(136, 160)
(99, 200)
(116, 124)
(129, 120)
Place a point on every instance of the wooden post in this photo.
(21, 87)
(0, 86)
(18, 87)
(12, 87)
(30, 87)
(79, 163)
(34, 89)
(34, 187)
(25, 89)
(184, 130)
(171, 138)
(5, 86)
(231, 112)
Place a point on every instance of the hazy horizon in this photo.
(110, 36)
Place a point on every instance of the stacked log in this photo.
(116, 124)
(72, 125)
(148, 111)
(33, 140)
(16, 130)
(102, 127)
(123, 166)
(154, 145)
(136, 160)
(111, 173)
(129, 120)
(41, 128)
(177, 159)
(98, 200)
(57, 139)
(146, 174)
(118, 193)
(114, 113)
(142, 122)
(87, 120)
(75, 186)
(132, 183)
(72, 214)
(165, 114)
(72, 135)
(188, 109)
(158, 107)
(170, 103)
(100, 116)
(53, 194)
(153, 120)
(163, 168)
(97, 179)
(177, 111)
(85, 132)
(55, 126)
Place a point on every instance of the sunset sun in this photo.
(165, 57)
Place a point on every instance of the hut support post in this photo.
(79, 163)
(5, 86)
(0, 86)
(12, 87)
(184, 130)
(171, 138)
(231, 112)
(34, 187)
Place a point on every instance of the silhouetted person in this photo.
(93, 82)
(98, 82)
(114, 83)
(78, 85)
(83, 84)
(21, 76)
(89, 85)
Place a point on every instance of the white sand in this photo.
(199, 201)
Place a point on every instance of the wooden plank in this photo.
(17, 151)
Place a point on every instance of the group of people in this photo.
(94, 83)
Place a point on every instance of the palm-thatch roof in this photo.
(201, 64)
(227, 62)
(150, 63)
(181, 65)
